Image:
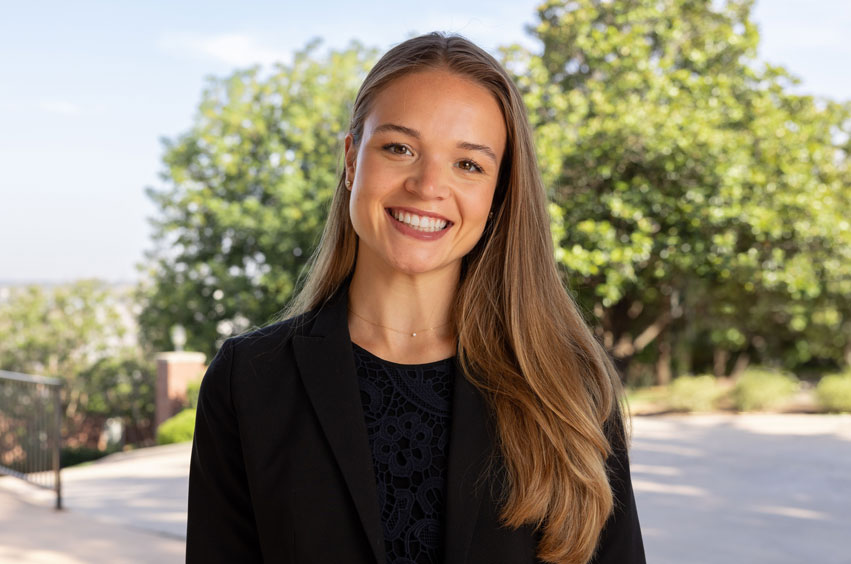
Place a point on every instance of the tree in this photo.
(696, 202)
(121, 386)
(71, 332)
(249, 186)
(57, 331)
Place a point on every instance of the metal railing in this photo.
(31, 429)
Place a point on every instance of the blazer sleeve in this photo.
(220, 524)
(620, 541)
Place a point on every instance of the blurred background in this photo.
(166, 172)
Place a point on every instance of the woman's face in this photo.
(424, 173)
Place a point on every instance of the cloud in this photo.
(60, 107)
(235, 49)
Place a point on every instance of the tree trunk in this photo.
(742, 362)
(719, 364)
(663, 360)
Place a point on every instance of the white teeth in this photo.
(420, 223)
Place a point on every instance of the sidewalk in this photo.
(37, 534)
(128, 507)
(743, 489)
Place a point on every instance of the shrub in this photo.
(177, 429)
(192, 390)
(649, 399)
(694, 393)
(71, 456)
(834, 392)
(763, 388)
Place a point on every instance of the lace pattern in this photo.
(407, 410)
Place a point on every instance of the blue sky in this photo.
(88, 88)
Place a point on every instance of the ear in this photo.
(351, 154)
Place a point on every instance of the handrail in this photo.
(20, 377)
(31, 429)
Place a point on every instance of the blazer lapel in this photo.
(469, 451)
(328, 371)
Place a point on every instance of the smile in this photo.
(421, 223)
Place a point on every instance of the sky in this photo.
(89, 88)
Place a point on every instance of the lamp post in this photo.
(178, 337)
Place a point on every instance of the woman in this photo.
(434, 396)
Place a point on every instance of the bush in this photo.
(177, 429)
(123, 386)
(762, 389)
(649, 399)
(834, 392)
(694, 393)
(71, 456)
(192, 390)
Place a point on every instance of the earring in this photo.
(490, 215)
(348, 183)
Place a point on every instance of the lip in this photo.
(416, 234)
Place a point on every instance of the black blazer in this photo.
(281, 469)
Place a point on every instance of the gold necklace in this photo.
(412, 334)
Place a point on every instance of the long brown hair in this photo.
(521, 339)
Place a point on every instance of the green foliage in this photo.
(193, 388)
(694, 393)
(833, 392)
(56, 331)
(691, 191)
(648, 399)
(249, 185)
(71, 456)
(76, 333)
(122, 385)
(177, 429)
(762, 389)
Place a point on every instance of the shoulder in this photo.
(255, 367)
(268, 340)
(262, 351)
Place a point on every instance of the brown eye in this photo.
(397, 149)
(470, 166)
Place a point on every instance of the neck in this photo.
(387, 307)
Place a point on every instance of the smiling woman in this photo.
(432, 394)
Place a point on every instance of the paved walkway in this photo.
(36, 534)
(712, 489)
(128, 507)
(754, 489)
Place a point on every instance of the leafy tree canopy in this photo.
(688, 185)
(57, 331)
(77, 333)
(249, 186)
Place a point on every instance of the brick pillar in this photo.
(174, 371)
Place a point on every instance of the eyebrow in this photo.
(416, 135)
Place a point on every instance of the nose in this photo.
(429, 181)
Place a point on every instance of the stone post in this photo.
(174, 371)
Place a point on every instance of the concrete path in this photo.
(753, 489)
(127, 507)
(711, 489)
(37, 534)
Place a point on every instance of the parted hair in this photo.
(552, 388)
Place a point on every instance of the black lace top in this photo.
(407, 409)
